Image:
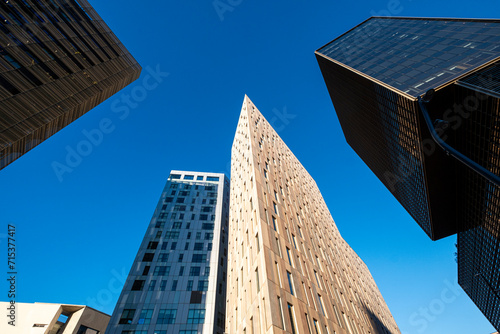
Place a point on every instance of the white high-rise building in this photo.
(177, 284)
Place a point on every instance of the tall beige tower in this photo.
(289, 270)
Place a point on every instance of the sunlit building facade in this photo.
(418, 100)
(49, 318)
(289, 270)
(177, 284)
(58, 60)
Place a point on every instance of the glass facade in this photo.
(188, 294)
(414, 55)
(374, 73)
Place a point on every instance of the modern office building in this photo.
(44, 318)
(290, 271)
(58, 60)
(177, 284)
(418, 100)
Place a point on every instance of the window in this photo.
(207, 209)
(179, 200)
(164, 246)
(198, 246)
(160, 224)
(152, 245)
(169, 199)
(257, 242)
(145, 317)
(166, 316)
(146, 270)
(317, 279)
(199, 258)
(207, 271)
(186, 246)
(152, 285)
(127, 316)
(202, 285)
(292, 318)
(186, 332)
(337, 315)
(289, 256)
(148, 257)
(308, 325)
(294, 241)
(161, 271)
(316, 326)
(274, 224)
(203, 217)
(212, 178)
(194, 271)
(174, 285)
(181, 271)
(209, 235)
(275, 208)
(209, 246)
(188, 177)
(190, 285)
(278, 246)
(163, 285)
(172, 235)
(290, 282)
(278, 271)
(173, 245)
(181, 256)
(138, 285)
(198, 235)
(321, 304)
(281, 313)
(199, 178)
(257, 283)
(177, 226)
(207, 226)
(196, 316)
(175, 176)
(189, 235)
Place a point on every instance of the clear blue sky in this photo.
(78, 231)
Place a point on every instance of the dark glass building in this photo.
(58, 60)
(418, 100)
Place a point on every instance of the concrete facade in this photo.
(44, 318)
(290, 271)
(177, 282)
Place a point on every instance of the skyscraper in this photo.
(418, 100)
(177, 282)
(58, 60)
(290, 271)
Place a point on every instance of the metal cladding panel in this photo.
(58, 60)
(383, 128)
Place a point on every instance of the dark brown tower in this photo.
(58, 60)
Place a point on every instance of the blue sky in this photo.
(79, 229)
